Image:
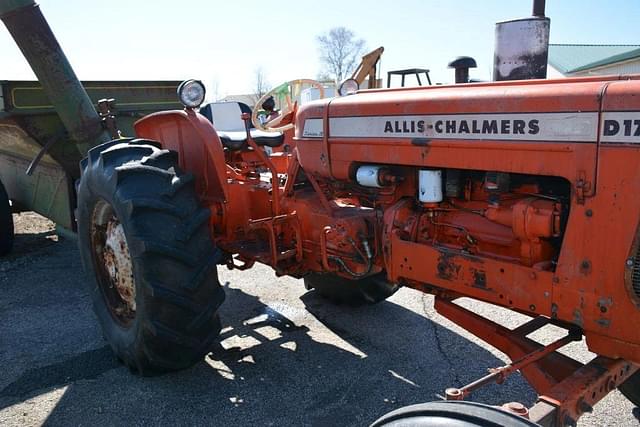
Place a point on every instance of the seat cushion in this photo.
(237, 140)
(269, 139)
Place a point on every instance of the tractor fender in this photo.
(198, 146)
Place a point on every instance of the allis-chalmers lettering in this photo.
(404, 126)
(482, 127)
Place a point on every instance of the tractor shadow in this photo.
(87, 365)
(273, 367)
(29, 243)
(419, 348)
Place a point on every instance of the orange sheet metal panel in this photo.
(601, 295)
(399, 127)
(476, 145)
(507, 284)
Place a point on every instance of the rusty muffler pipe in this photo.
(34, 37)
(522, 46)
(538, 8)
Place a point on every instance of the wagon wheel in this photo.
(6, 223)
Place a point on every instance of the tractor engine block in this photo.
(512, 218)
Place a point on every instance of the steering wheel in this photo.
(287, 95)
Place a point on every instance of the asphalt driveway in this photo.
(286, 357)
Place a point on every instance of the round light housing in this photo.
(191, 93)
(348, 87)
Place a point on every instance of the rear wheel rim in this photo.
(113, 264)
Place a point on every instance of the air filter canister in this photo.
(369, 176)
(430, 185)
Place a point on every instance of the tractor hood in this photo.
(538, 126)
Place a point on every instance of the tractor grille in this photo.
(635, 274)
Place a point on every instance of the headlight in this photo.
(191, 93)
(348, 87)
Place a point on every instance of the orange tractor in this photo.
(516, 193)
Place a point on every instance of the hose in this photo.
(369, 259)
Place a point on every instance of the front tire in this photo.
(6, 223)
(338, 290)
(145, 243)
(631, 389)
(451, 414)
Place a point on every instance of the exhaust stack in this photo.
(522, 46)
(34, 37)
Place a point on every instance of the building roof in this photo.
(571, 58)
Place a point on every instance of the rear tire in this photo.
(631, 389)
(451, 414)
(6, 223)
(145, 243)
(369, 290)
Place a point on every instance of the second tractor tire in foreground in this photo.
(451, 414)
(368, 290)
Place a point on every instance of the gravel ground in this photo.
(286, 356)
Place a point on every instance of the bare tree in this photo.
(260, 85)
(340, 52)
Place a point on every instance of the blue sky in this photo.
(225, 42)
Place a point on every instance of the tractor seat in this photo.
(227, 120)
(237, 140)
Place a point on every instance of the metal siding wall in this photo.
(552, 73)
(631, 67)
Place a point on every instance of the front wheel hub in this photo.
(117, 261)
(114, 266)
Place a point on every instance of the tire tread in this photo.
(180, 320)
